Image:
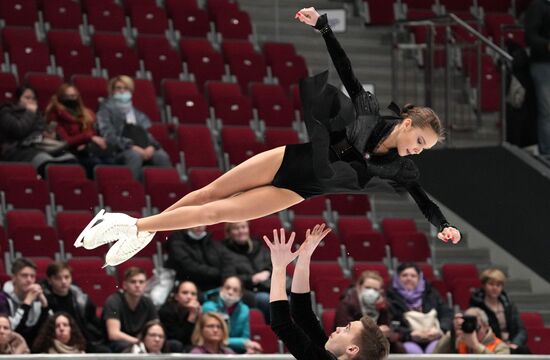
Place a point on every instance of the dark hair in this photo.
(56, 267)
(44, 340)
(422, 116)
(21, 263)
(21, 89)
(150, 324)
(133, 271)
(7, 317)
(234, 277)
(372, 343)
(407, 265)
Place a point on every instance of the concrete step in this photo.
(531, 302)
(479, 257)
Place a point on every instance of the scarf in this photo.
(413, 297)
(60, 348)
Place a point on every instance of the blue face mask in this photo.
(123, 97)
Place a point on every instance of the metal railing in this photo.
(432, 72)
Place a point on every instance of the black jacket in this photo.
(204, 261)
(430, 300)
(175, 322)
(537, 30)
(518, 334)
(248, 260)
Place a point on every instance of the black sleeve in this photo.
(533, 23)
(444, 313)
(430, 210)
(521, 336)
(296, 340)
(175, 329)
(339, 58)
(93, 323)
(187, 265)
(302, 313)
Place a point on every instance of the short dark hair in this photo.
(407, 265)
(21, 263)
(133, 271)
(372, 343)
(56, 267)
(21, 89)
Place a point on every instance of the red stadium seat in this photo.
(274, 107)
(105, 16)
(274, 51)
(197, 146)
(539, 340)
(84, 265)
(62, 14)
(392, 226)
(45, 86)
(8, 84)
(144, 99)
(350, 204)
(427, 271)
(148, 19)
(407, 247)
(353, 224)
(313, 206)
(327, 319)
(190, 46)
(240, 143)
(161, 133)
(256, 317)
(216, 7)
(31, 234)
(321, 269)
(164, 186)
(441, 288)
(123, 61)
(516, 35)
(174, 7)
(42, 264)
(92, 89)
(419, 4)
(29, 58)
(159, 58)
(69, 225)
(366, 245)
(200, 177)
(206, 67)
(191, 22)
(186, 103)
(17, 36)
(19, 12)
(275, 137)
(120, 191)
(70, 54)
(129, 5)
(381, 269)
(247, 67)
(143, 262)
(328, 248)
(22, 189)
(532, 319)
(453, 6)
(97, 286)
(71, 188)
(173, 90)
(380, 12)
(461, 290)
(229, 104)
(264, 226)
(494, 6)
(328, 291)
(266, 337)
(234, 25)
(108, 41)
(451, 272)
(289, 71)
(494, 23)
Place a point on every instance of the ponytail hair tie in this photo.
(405, 109)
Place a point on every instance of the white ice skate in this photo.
(106, 228)
(126, 248)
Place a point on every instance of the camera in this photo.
(470, 324)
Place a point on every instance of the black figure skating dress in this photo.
(344, 134)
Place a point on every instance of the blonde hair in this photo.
(198, 340)
(229, 226)
(492, 274)
(368, 274)
(423, 116)
(126, 80)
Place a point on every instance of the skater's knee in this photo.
(207, 194)
(212, 215)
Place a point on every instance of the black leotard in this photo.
(340, 132)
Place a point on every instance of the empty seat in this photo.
(29, 57)
(173, 90)
(539, 340)
(328, 291)
(129, 5)
(256, 317)
(159, 58)
(70, 54)
(353, 224)
(532, 319)
(453, 6)
(350, 204)
(451, 272)
(276, 50)
(275, 137)
(174, 7)
(428, 271)
(380, 12)
(206, 67)
(234, 25)
(498, 6)
(42, 264)
(264, 226)
(322, 269)
(105, 16)
(240, 143)
(69, 225)
(393, 226)
(289, 71)
(71, 188)
(123, 61)
(327, 319)
(200, 177)
(274, 107)
(148, 19)
(163, 186)
(19, 12)
(197, 46)
(145, 100)
(461, 291)
(21, 187)
(229, 104)
(312, 206)
(92, 89)
(217, 7)
(196, 144)
(97, 286)
(45, 86)
(62, 14)
(381, 269)
(189, 108)
(420, 4)
(248, 68)
(17, 36)
(328, 248)
(84, 265)
(191, 22)
(108, 41)
(266, 337)
(120, 191)
(366, 245)
(30, 233)
(410, 247)
(8, 84)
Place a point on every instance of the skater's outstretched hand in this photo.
(449, 233)
(313, 239)
(308, 16)
(281, 250)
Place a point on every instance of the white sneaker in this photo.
(113, 227)
(126, 248)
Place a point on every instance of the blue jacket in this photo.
(239, 326)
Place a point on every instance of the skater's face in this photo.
(135, 286)
(61, 282)
(63, 329)
(239, 232)
(409, 278)
(24, 279)
(493, 288)
(412, 140)
(341, 341)
(187, 292)
(154, 339)
(5, 330)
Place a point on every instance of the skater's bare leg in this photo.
(247, 205)
(257, 171)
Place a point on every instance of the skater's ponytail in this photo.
(422, 116)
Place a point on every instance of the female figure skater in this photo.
(350, 144)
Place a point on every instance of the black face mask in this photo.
(70, 103)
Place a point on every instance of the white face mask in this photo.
(229, 300)
(369, 296)
(194, 236)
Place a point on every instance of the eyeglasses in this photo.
(213, 326)
(153, 335)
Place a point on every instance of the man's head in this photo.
(359, 340)
(23, 275)
(483, 326)
(134, 281)
(59, 277)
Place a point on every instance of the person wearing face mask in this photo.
(237, 313)
(196, 257)
(367, 298)
(125, 127)
(180, 312)
(422, 314)
(76, 124)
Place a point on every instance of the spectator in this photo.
(125, 128)
(537, 36)
(367, 298)
(75, 124)
(251, 263)
(180, 313)
(211, 335)
(126, 313)
(195, 257)
(11, 342)
(59, 335)
(64, 296)
(502, 313)
(229, 304)
(478, 338)
(152, 340)
(23, 299)
(422, 314)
